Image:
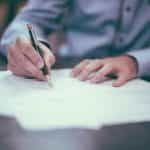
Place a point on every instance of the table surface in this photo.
(135, 136)
(118, 137)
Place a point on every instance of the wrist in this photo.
(134, 62)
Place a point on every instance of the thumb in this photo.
(120, 81)
(48, 56)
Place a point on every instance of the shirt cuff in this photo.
(143, 60)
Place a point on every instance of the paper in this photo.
(72, 103)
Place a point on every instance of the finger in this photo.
(103, 79)
(13, 65)
(77, 69)
(10, 67)
(91, 76)
(49, 58)
(22, 64)
(25, 46)
(13, 54)
(89, 69)
(101, 75)
(17, 71)
(122, 79)
(10, 58)
(25, 65)
(33, 70)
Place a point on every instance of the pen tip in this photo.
(49, 80)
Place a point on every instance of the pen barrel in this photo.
(45, 68)
(37, 47)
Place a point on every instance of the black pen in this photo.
(35, 44)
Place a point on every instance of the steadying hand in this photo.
(124, 67)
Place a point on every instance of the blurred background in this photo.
(8, 10)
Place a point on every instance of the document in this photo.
(72, 103)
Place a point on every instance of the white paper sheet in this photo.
(71, 103)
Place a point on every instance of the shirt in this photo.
(98, 28)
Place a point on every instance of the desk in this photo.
(118, 137)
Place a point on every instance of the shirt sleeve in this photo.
(45, 16)
(143, 59)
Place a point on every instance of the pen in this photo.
(36, 46)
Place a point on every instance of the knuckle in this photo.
(24, 44)
(87, 69)
(86, 60)
(26, 41)
(98, 61)
(18, 40)
(110, 65)
(22, 40)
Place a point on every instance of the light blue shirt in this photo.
(98, 28)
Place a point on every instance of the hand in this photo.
(124, 67)
(24, 61)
